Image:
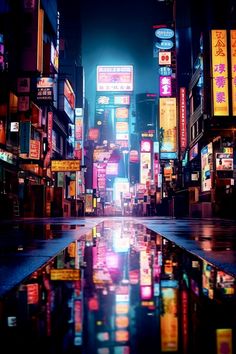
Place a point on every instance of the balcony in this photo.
(196, 115)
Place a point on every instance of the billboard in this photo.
(168, 125)
(233, 69)
(206, 167)
(65, 165)
(115, 78)
(219, 73)
(45, 87)
(65, 274)
(224, 162)
(25, 131)
(145, 167)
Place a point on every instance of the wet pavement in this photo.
(118, 285)
(26, 244)
(210, 239)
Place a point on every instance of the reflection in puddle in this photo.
(122, 289)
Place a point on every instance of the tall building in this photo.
(29, 45)
(206, 69)
(37, 109)
(146, 115)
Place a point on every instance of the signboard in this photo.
(34, 168)
(206, 167)
(50, 126)
(165, 71)
(65, 165)
(164, 44)
(165, 86)
(54, 57)
(193, 152)
(182, 118)
(34, 152)
(36, 115)
(32, 293)
(233, 69)
(23, 103)
(145, 146)
(145, 167)
(115, 78)
(69, 94)
(45, 88)
(111, 100)
(93, 134)
(88, 203)
(122, 127)
(122, 112)
(7, 157)
(23, 85)
(112, 169)
(164, 33)
(125, 99)
(25, 128)
(122, 136)
(103, 100)
(224, 340)
(2, 132)
(219, 72)
(65, 274)
(78, 128)
(168, 125)
(164, 58)
(14, 127)
(134, 156)
(224, 162)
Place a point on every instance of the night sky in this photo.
(119, 32)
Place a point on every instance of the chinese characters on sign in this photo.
(165, 86)
(182, 115)
(220, 73)
(65, 165)
(233, 69)
(115, 78)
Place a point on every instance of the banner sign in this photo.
(233, 69)
(65, 165)
(182, 118)
(219, 72)
(25, 128)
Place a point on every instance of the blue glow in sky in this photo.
(118, 33)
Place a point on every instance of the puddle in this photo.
(121, 289)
